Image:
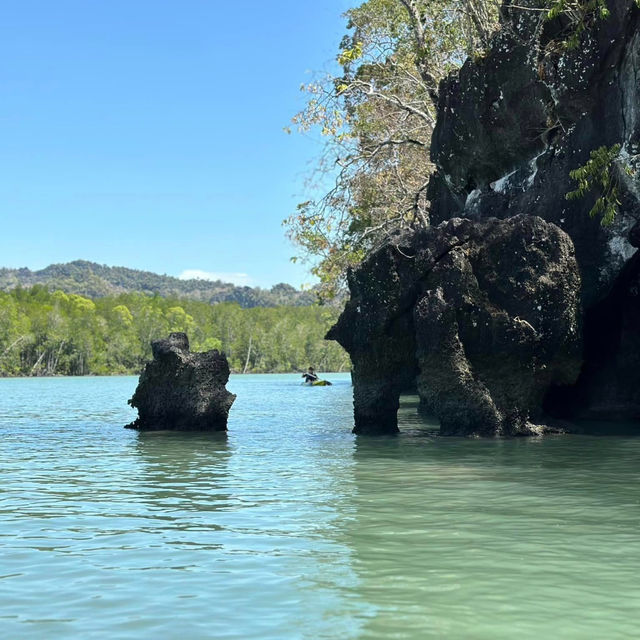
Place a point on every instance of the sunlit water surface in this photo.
(290, 527)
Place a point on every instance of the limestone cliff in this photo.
(515, 303)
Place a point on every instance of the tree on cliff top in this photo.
(377, 117)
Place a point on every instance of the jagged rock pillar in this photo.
(380, 374)
(446, 385)
(182, 390)
(378, 334)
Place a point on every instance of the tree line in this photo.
(45, 332)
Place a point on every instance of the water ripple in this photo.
(289, 527)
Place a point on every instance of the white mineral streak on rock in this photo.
(500, 186)
(472, 198)
(620, 249)
(533, 170)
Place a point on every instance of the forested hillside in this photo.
(54, 333)
(96, 280)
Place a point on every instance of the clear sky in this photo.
(149, 133)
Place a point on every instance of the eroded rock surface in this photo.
(515, 302)
(483, 316)
(182, 390)
(513, 124)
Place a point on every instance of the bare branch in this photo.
(416, 18)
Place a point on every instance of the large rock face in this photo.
(482, 316)
(515, 302)
(182, 390)
(512, 125)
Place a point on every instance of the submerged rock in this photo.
(182, 390)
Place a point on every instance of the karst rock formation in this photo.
(515, 307)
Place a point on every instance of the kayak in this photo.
(317, 383)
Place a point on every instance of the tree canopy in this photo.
(377, 116)
(54, 333)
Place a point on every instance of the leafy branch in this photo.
(599, 174)
(581, 14)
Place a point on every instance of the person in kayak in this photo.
(310, 376)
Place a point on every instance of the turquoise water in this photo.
(290, 527)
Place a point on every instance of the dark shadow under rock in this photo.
(182, 390)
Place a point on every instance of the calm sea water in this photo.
(292, 528)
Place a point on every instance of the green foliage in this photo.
(598, 174)
(581, 15)
(53, 333)
(377, 116)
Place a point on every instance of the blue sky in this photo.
(149, 133)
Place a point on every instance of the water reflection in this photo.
(414, 420)
(183, 470)
(489, 539)
(267, 506)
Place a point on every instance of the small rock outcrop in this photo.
(182, 390)
(515, 304)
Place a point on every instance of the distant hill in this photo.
(98, 280)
